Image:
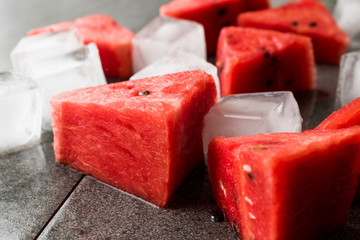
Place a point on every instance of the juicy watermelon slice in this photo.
(142, 136)
(309, 18)
(286, 185)
(112, 40)
(212, 14)
(345, 117)
(256, 60)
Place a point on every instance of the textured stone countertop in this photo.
(40, 199)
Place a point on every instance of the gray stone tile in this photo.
(98, 211)
(32, 188)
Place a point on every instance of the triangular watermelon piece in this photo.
(112, 40)
(309, 18)
(257, 60)
(345, 117)
(286, 185)
(142, 136)
(212, 14)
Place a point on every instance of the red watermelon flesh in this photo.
(212, 14)
(309, 18)
(141, 136)
(256, 60)
(347, 116)
(112, 40)
(286, 185)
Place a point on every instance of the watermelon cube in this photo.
(142, 136)
(112, 39)
(305, 17)
(286, 185)
(212, 14)
(257, 60)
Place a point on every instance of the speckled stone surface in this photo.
(40, 199)
(32, 188)
(98, 211)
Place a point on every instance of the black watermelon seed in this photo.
(313, 24)
(217, 215)
(144, 93)
(295, 23)
(221, 12)
(250, 176)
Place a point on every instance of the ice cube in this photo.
(163, 35)
(347, 16)
(20, 110)
(30, 50)
(248, 114)
(77, 69)
(178, 61)
(348, 87)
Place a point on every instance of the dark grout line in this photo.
(58, 208)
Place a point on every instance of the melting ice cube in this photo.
(349, 78)
(30, 50)
(77, 69)
(20, 110)
(248, 114)
(347, 16)
(163, 35)
(178, 61)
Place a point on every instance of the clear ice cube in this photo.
(347, 16)
(348, 87)
(248, 114)
(163, 35)
(178, 61)
(30, 50)
(20, 110)
(77, 69)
